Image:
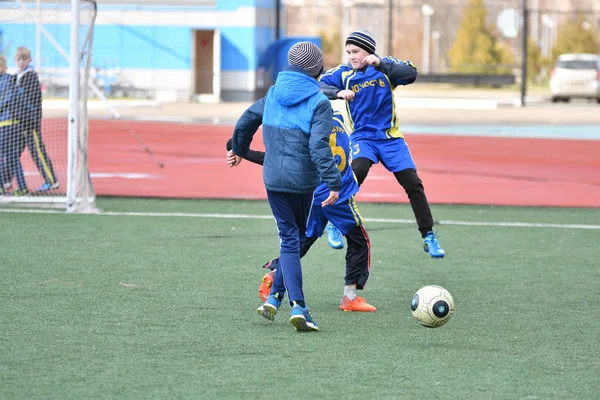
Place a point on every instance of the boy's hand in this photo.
(372, 59)
(233, 160)
(333, 197)
(345, 95)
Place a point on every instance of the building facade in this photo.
(173, 50)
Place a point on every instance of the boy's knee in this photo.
(409, 179)
(360, 167)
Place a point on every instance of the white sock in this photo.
(350, 292)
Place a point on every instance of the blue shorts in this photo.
(394, 154)
(345, 216)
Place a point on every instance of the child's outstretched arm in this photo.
(399, 72)
(331, 82)
(255, 156)
(246, 127)
(329, 91)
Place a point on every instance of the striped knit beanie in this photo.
(307, 56)
(362, 39)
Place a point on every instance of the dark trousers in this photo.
(291, 211)
(33, 140)
(413, 186)
(358, 256)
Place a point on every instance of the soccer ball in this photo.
(432, 306)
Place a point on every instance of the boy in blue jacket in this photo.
(297, 121)
(367, 84)
(344, 214)
(10, 137)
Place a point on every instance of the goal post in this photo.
(44, 156)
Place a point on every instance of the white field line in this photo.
(255, 216)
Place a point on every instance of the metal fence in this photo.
(426, 32)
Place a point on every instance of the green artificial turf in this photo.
(163, 307)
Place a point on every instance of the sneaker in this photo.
(265, 286)
(46, 186)
(334, 237)
(21, 192)
(432, 246)
(358, 304)
(272, 264)
(7, 186)
(302, 320)
(269, 309)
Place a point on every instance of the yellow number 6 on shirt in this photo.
(337, 151)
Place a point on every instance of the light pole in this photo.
(534, 21)
(548, 24)
(436, 51)
(427, 11)
(346, 5)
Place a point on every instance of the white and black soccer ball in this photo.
(432, 306)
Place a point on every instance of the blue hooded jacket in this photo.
(297, 123)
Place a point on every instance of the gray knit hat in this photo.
(307, 56)
(362, 39)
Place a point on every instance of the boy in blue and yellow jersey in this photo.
(10, 164)
(344, 214)
(27, 109)
(367, 84)
(296, 119)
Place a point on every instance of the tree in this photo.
(475, 49)
(506, 58)
(332, 48)
(575, 36)
(535, 61)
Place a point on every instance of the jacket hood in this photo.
(293, 86)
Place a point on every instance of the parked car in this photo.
(576, 76)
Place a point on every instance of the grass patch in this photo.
(99, 306)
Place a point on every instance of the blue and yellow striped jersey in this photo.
(339, 141)
(372, 113)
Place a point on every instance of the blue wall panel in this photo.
(234, 5)
(16, 35)
(152, 47)
(238, 49)
(264, 38)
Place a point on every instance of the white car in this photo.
(576, 76)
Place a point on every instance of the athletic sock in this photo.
(350, 292)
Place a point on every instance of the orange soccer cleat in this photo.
(358, 305)
(265, 286)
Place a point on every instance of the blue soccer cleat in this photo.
(432, 246)
(302, 320)
(46, 186)
(270, 307)
(334, 237)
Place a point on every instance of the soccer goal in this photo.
(47, 46)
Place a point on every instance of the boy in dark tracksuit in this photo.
(27, 109)
(10, 165)
(297, 121)
(344, 214)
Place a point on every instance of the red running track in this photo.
(454, 169)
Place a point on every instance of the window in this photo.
(577, 64)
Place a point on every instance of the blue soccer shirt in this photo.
(339, 141)
(372, 113)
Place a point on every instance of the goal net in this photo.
(43, 103)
